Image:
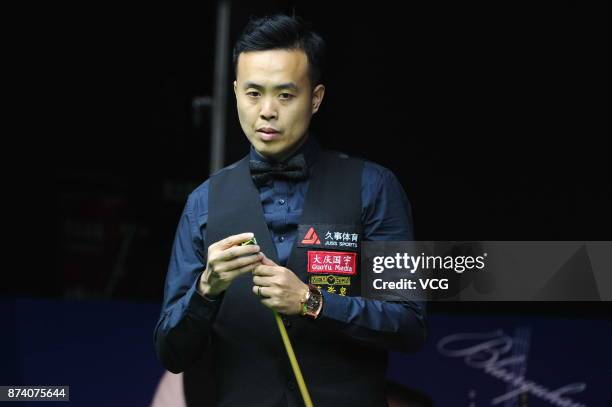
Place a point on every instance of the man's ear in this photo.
(235, 88)
(317, 97)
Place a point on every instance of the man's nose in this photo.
(268, 109)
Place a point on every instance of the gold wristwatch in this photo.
(312, 302)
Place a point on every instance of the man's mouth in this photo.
(268, 133)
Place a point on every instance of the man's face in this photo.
(275, 101)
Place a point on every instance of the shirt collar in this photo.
(309, 149)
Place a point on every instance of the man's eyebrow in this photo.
(288, 85)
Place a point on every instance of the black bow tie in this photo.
(294, 169)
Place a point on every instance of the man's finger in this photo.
(233, 258)
(269, 302)
(262, 270)
(235, 240)
(262, 281)
(238, 262)
(234, 252)
(266, 261)
(232, 274)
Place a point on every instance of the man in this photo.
(309, 210)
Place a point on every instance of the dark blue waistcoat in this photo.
(251, 367)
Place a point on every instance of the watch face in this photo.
(313, 301)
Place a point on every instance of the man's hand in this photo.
(226, 261)
(279, 288)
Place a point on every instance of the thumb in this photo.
(266, 261)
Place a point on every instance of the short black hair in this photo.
(283, 32)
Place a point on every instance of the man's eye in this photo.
(253, 94)
(286, 96)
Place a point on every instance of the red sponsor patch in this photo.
(322, 262)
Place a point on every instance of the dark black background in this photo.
(480, 111)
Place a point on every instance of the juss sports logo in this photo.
(328, 236)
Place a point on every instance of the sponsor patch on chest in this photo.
(324, 262)
(329, 236)
(340, 285)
